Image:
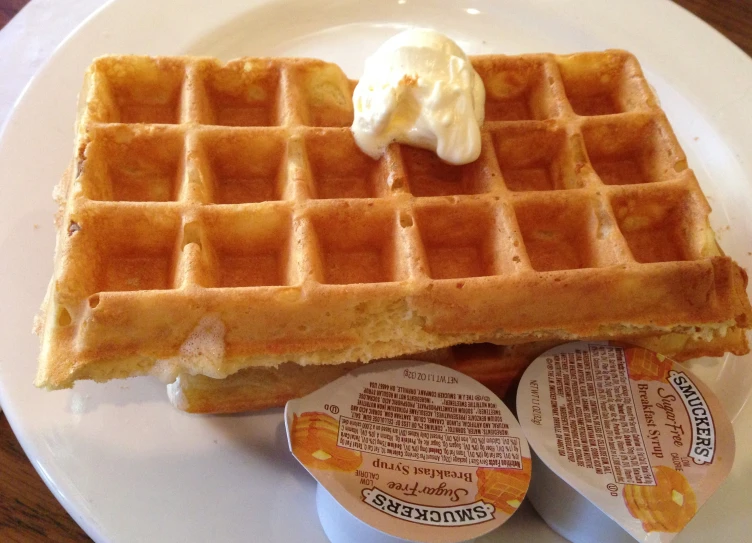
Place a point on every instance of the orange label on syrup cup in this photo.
(415, 450)
(631, 430)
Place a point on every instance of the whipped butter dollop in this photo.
(420, 89)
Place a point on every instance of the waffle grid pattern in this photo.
(238, 190)
(541, 197)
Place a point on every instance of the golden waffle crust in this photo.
(498, 367)
(220, 216)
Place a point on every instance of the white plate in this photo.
(130, 468)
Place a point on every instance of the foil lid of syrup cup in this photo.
(409, 451)
(627, 444)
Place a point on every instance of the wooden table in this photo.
(28, 511)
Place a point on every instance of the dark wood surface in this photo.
(28, 511)
(8, 8)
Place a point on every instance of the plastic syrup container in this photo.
(409, 451)
(627, 444)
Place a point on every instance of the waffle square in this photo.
(235, 193)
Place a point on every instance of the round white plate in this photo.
(130, 468)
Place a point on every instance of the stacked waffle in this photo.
(220, 228)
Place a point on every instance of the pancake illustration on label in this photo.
(645, 365)
(505, 489)
(314, 443)
(666, 507)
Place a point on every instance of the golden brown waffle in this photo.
(495, 366)
(498, 367)
(229, 206)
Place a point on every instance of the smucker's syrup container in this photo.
(627, 444)
(409, 451)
